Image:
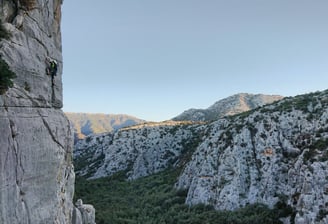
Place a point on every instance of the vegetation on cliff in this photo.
(6, 75)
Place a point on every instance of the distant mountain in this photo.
(232, 105)
(86, 123)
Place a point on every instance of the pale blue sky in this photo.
(153, 59)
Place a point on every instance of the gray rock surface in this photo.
(276, 154)
(140, 150)
(35, 29)
(37, 177)
(36, 141)
(83, 212)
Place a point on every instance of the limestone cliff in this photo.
(35, 29)
(276, 155)
(141, 150)
(36, 141)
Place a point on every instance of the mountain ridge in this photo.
(96, 123)
(85, 124)
(231, 105)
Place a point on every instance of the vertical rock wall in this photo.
(36, 142)
(35, 29)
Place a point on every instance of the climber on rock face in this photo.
(51, 68)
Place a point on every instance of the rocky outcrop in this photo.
(140, 150)
(232, 105)
(83, 213)
(276, 155)
(36, 141)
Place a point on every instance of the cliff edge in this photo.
(36, 171)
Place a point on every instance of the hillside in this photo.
(276, 155)
(87, 123)
(235, 104)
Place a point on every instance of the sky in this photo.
(154, 59)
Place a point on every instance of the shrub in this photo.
(320, 144)
(88, 139)
(6, 76)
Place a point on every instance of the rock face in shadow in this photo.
(36, 141)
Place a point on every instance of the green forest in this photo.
(154, 199)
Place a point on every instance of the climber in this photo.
(51, 68)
